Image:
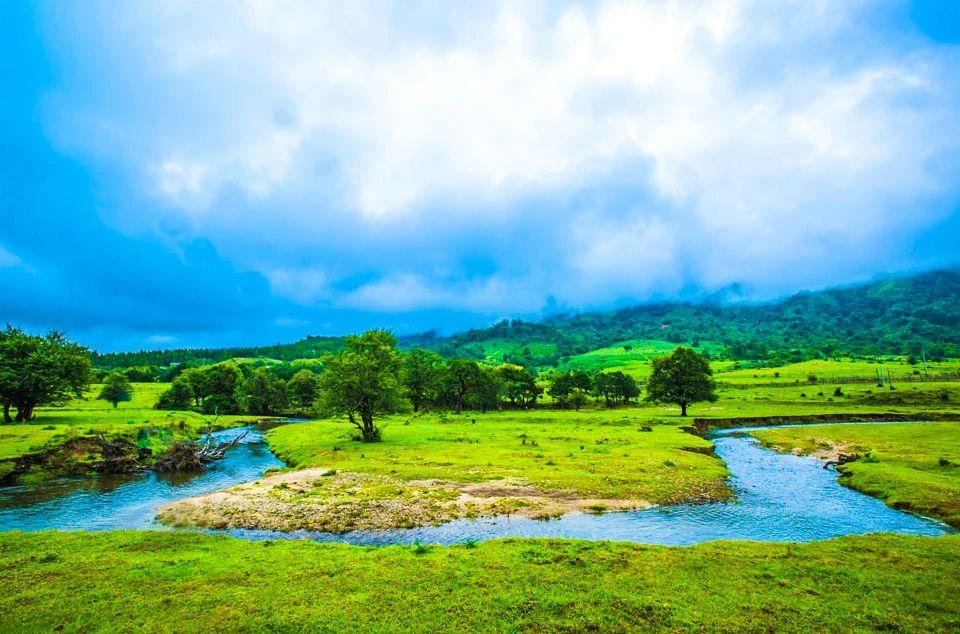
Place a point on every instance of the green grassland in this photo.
(152, 582)
(600, 453)
(634, 357)
(89, 417)
(914, 466)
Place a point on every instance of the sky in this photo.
(231, 173)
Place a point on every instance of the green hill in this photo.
(905, 315)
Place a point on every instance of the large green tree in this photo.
(518, 385)
(363, 381)
(178, 396)
(463, 380)
(35, 370)
(570, 388)
(220, 380)
(422, 373)
(615, 387)
(116, 388)
(262, 393)
(683, 377)
(303, 388)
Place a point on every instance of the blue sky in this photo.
(223, 173)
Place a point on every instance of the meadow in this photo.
(154, 582)
(598, 457)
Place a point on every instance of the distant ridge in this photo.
(902, 315)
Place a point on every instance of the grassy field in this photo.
(87, 417)
(601, 453)
(149, 581)
(635, 357)
(913, 466)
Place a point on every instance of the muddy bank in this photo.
(703, 425)
(324, 500)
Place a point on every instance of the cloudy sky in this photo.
(181, 173)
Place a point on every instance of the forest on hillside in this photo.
(917, 315)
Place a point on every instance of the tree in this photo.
(565, 386)
(116, 388)
(262, 393)
(683, 377)
(421, 375)
(486, 392)
(462, 379)
(220, 379)
(178, 396)
(35, 370)
(518, 385)
(363, 381)
(303, 388)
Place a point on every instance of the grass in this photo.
(602, 453)
(914, 466)
(834, 369)
(152, 582)
(633, 356)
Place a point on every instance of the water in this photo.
(129, 500)
(780, 497)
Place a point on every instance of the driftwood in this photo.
(193, 456)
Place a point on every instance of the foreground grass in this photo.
(913, 466)
(604, 453)
(148, 581)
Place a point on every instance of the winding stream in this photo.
(781, 497)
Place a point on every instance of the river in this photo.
(780, 497)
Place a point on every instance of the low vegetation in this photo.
(911, 466)
(597, 454)
(196, 583)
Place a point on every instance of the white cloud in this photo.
(8, 259)
(302, 285)
(776, 135)
(161, 339)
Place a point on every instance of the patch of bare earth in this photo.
(324, 500)
(825, 451)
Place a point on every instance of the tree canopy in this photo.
(362, 381)
(116, 388)
(683, 377)
(36, 370)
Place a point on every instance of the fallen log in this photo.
(193, 456)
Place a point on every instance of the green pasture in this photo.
(597, 453)
(187, 582)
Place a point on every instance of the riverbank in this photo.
(149, 581)
(83, 436)
(913, 467)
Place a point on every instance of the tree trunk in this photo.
(369, 431)
(6, 413)
(683, 409)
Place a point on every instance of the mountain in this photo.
(904, 315)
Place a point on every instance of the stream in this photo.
(780, 497)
